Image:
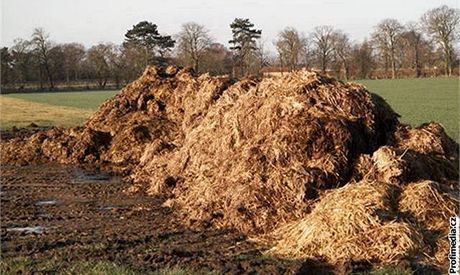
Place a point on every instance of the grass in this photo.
(64, 109)
(416, 100)
(422, 100)
(21, 265)
(387, 271)
(20, 113)
(83, 100)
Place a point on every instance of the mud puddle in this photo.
(80, 176)
(46, 202)
(28, 230)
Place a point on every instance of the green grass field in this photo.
(416, 100)
(422, 100)
(83, 100)
(64, 109)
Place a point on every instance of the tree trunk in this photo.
(323, 64)
(117, 81)
(345, 68)
(41, 77)
(417, 63)
(447, 58)
(386, 67)
(67, 76)
(449, 64)
(195, 65)
(446, 66)
(50, 77)
(393, 67)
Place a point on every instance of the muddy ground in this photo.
(67, 213)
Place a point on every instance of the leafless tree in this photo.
(218, 60)
(323, 40)
(133, 60)
(73, 54)
(442, 25)
(260, 58)
(98, 62)
(42, 46)
(386, 37)
(7, 66)
(342, 50)
(362, 59)
(290, 46)
(413, 43)
(193, 41)
(23, 65)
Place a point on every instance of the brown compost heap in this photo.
(316, 167)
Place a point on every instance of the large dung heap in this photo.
(316, 167)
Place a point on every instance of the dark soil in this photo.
(88, 217)
(20, 132)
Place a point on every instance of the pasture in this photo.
(416, 100)
(422, 100)
(83, 100)
(64, 109)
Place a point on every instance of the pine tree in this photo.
(145, 35)
(244, 42)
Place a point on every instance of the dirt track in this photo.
(86, 216)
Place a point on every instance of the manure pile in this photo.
(313, 166)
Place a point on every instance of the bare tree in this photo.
(413, 40)
(6, 69)
(323, 40)
(442, 25)
(99, 62)
(308, 54)
(42, 47)
(290, 46)
(386, 36)
(260, 58)
(74, 54)
(117, 64)
(217, 60)
(23, 60)
(193, 41)
(342, 50)
(133, 60)
(362, 59)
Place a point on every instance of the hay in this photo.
(310, 164)
(243, 159)
(402, 165)
(351, 223)
(429, 138)
(153, 108)
(373, 222)
(428, 205)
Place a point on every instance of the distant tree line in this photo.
(414, 49)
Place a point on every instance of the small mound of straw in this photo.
(354, 222)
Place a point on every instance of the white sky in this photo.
(93, 21)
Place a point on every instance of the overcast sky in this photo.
(93, 21)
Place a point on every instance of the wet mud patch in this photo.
(81, 176)
(27, 230)
(46, 215)
(46, 202)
